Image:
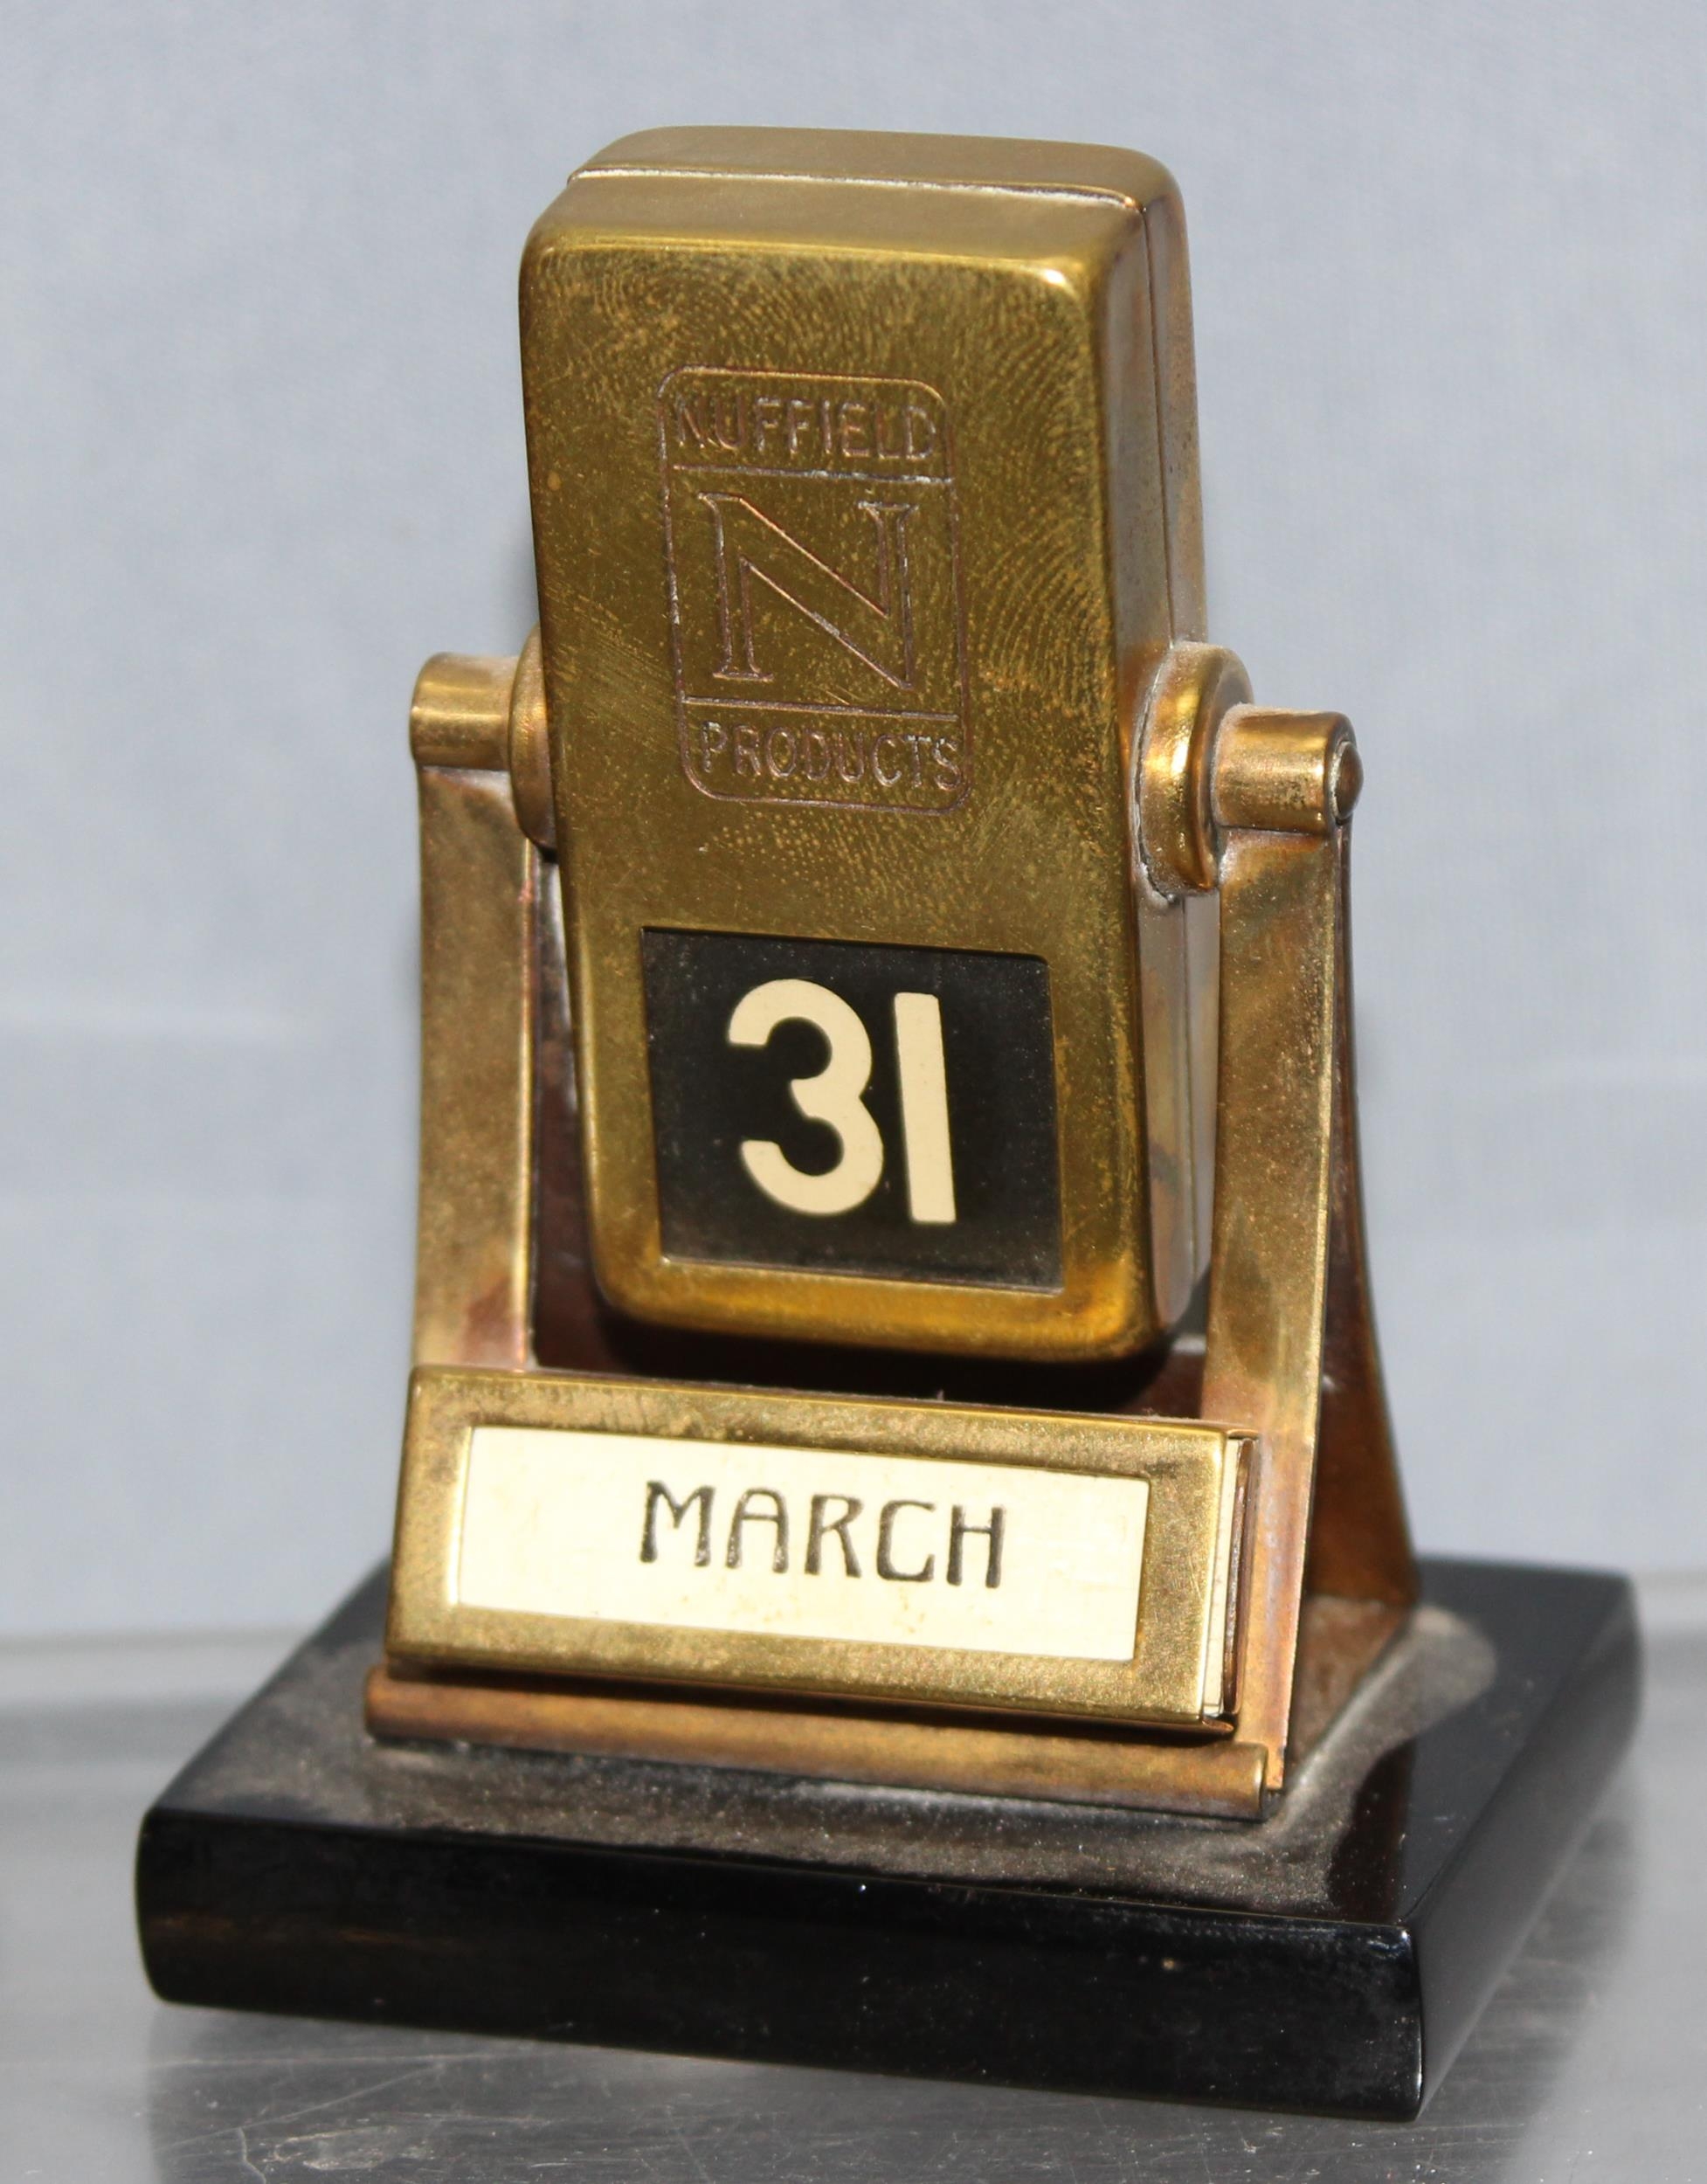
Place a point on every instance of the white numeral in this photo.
(836, 1096)
(831, 1096)
(924, 1107)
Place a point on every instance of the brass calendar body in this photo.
(878, 962)
(870, 514)
(899, 1562)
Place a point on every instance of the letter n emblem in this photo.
(812, 547)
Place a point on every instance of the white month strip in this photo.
(804, 1543)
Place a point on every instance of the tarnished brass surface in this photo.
(480, 888)
(1359, 1540)
(911, 1752)
(460, 713)
(1340, 1641)
(793, 305)
(1178, 1670)
(1284, 772)
(1174, 847)
(1284, 1027)
(1291, 1347)
(1175, 843)
(1185, 876)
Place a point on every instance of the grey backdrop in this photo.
(260, 441)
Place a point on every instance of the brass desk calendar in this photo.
(900, 1558)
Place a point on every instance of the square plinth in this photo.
(1331, 1957)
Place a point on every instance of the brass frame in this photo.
(1231, 806)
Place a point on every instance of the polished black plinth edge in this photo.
(1331, 1958)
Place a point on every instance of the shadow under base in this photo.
(1331, 1957)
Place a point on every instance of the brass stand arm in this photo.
(1255, 804)
(480, 903)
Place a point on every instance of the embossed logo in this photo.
(814, 589)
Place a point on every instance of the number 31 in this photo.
(835, 1095)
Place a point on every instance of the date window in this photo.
(828, 1106)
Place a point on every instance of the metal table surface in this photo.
(1591, 2061)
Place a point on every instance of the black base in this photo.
(1332, 1957)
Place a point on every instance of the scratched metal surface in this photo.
(1591, 2062)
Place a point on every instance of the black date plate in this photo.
(855, 1110)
